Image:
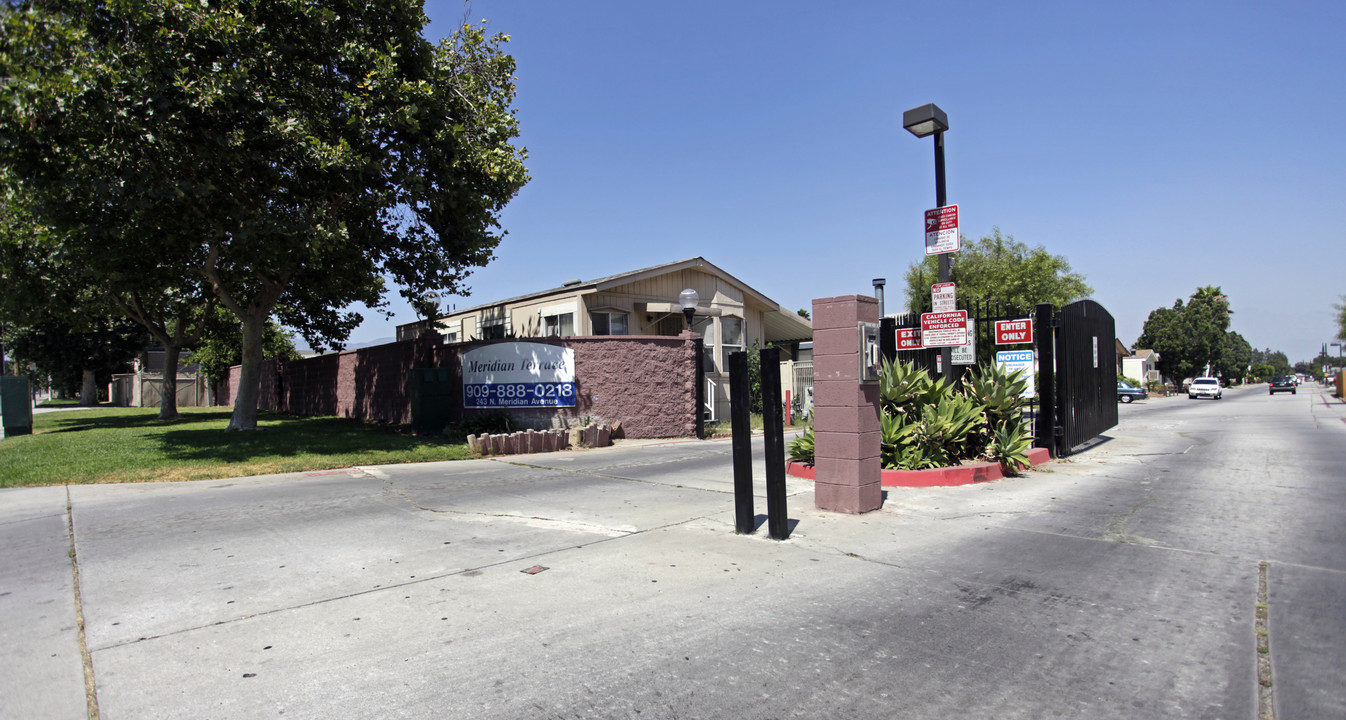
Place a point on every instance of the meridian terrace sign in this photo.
(517, 375)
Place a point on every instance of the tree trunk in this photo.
(250, 375)
(88, 391)
(168, 396)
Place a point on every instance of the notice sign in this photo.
(519, 374)
(1013, 332)
(941, 230)
(1013, 360)
(909, 339)
(947, 329)
(942, 297)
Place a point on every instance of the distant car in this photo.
(1282, 384)
(1127, 392)
(1204, 387)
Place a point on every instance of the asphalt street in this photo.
(1121, 582)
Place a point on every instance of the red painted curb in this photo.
(943, 477)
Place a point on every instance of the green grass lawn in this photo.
(133, 445)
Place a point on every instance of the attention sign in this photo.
(1013, 332)
(946, 329)
(941, 230)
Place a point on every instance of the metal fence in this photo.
(983, 315)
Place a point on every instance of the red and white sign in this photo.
(1013, 332)
(946, 329)
(942, 298)
(909, 339)
(941, 230)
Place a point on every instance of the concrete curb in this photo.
(941, 477)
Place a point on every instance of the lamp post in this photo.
(688, 300)
(924, 121)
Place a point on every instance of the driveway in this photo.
(609, 583)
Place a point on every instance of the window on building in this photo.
(606, 322)
(562, 325)
(706, 326)
(493, 332)
(731, 335)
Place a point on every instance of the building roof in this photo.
(782, 325)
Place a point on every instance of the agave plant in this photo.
(952, 425)
(1009, 446)
(998, 390)
(898, 430)
(801, 448)
(903, 386)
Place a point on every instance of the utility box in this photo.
(16, 407)
(431, 400)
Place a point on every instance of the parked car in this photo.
(1282, 384)
(1127, 392)
(1204, 387)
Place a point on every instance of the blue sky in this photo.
(1158, 146)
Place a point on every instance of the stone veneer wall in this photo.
(645, 383)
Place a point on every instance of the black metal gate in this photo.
(1076, 363)
(1084, 363)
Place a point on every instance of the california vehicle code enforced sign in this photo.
(519, 374)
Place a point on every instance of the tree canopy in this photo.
(1193, 336)
(998, 267)
(286, 156)
(1341, 318)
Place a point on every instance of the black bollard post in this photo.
(741, 421)
(778, 516)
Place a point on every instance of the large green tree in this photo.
(288, 154)
(52, 323)
(1341, 319)
(1193, 338)
(221, 348)
(1235, 357)
(998, 267)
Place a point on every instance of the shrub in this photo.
(927, 423)
(801, 448)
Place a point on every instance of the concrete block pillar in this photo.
(846, 428)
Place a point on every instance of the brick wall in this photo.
(647, 383)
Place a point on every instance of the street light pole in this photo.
(930, 120)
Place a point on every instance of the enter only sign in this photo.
(1013, 332)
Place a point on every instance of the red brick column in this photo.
(846, 414)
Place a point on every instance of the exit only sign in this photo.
(1013, 332)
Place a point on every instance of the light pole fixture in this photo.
(688, 299)
(922, 122)
(878, 292)
(925, 120)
